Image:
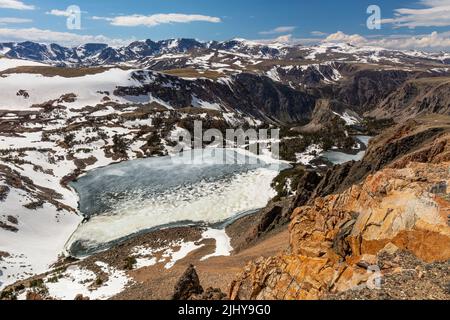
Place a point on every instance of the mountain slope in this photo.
(415, 97)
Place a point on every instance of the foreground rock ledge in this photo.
(335, 240)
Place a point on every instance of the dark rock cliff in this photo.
(251, 94)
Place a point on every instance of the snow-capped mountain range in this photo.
(138, 52)
(100, 54)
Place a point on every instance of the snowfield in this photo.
(6, 63)
(88, 89)
(40, 239)
(77, 281)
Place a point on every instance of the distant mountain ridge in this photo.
(98, 53)
(95, 54)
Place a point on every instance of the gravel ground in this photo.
(405, 278)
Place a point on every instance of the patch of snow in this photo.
(185, 249)
(77, 281)
(440, 70)
(315, 51)
(311, 153)
(173, 44)
(198, 103)
(273, 74)
(349, 119)
(223, 243)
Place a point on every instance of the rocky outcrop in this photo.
(272, 217)
(189, 288)
(336, 240)
(325, 116)
(80, 297)
(188, 285)
(306, 188)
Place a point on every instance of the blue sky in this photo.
(301, 20)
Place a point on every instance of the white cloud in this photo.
(62, 38)
(157, 19)
(58, 13)
(318, 33)
(432, 41)
(342, 37)
(284, 39)
(15, 4)
(7, 20)
(101, 18)
(282, 29)
(436, 13)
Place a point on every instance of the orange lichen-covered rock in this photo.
(335, 240)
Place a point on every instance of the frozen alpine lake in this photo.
(131, 197)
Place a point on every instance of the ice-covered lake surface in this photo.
(337, 157)
(201, 186)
